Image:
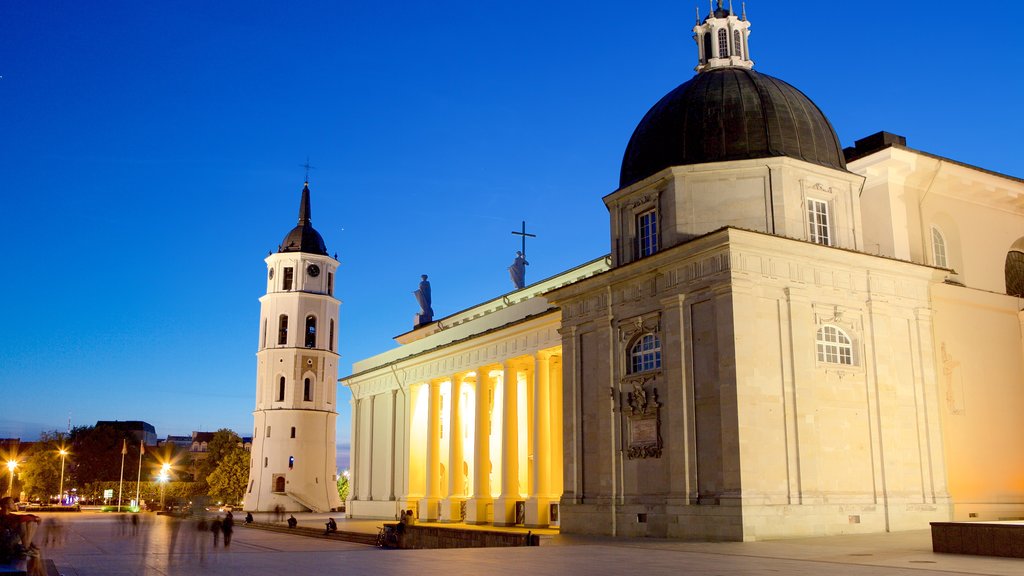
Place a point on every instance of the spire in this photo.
(304, 211)
(743, 7)
(303, 238)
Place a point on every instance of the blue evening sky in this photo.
(150, 158)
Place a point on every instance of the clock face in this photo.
(313, 270)
(270, 274)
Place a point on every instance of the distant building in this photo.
(142, 431)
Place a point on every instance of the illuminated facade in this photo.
(292, 462)
(786, 339)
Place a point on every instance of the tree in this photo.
(223, 443)
(40, 473)
(343, 486)
(227, 483)
(96, 453)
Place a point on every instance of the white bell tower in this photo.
(293, 446)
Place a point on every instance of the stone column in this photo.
(369, 451)
(428, 508)
(451, 508)
(537, 502)
(357, 435)
(392, 460)
(504, 506)
(476, 508)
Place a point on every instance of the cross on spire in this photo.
(308, 168)
(524, 235)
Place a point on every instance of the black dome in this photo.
(303, 238)
(729, 114)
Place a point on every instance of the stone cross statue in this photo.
(517, 271)
(422, 295)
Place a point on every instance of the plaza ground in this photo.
(97, 544)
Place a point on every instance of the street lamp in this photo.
(164, 469)
(11, 465)
(60, 495)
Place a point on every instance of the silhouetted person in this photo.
(215, 527)
(227, 527)
(292, 522)
(248, 517)
(332, 526)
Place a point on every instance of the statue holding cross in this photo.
(517, 271)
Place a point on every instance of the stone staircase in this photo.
(354, 537)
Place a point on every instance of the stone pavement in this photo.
(97, 544)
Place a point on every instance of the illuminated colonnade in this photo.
(490, 440)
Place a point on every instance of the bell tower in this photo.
(293, 460)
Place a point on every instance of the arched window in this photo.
(280, 390)
(330, 343)
(723, 43)
(1014, 269)
(279, 484)
(737, 45)
(307, 390)
(645, 354)
(834, 345)
(291, 462)
(707, 46)
(330, 283)
(282, 330)
(939, 249)
(310, 332)
(264, 345)
(293, 431)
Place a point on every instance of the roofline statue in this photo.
(517, 271)
(422, 295)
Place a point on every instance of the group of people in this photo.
(218, 526)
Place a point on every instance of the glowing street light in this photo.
(11, 465)
(60, 495)
(162, 477)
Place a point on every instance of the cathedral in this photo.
(786, 338)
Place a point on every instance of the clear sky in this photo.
(150, 158)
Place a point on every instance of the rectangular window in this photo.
(646, 234)
(289, 275)
(330, 283)
(817, 222)
(268, 431)
(293, 431)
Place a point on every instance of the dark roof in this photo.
(303, 238)
(729, 114)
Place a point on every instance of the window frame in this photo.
(642, 358)
(819, 222)
(830, 348)
(288, 278)
(646, 223)
(723, 47)
(280, 389)
(310, 332)
(282, 330)
(939, 242)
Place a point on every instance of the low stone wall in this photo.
(355, 537)
(979, 538)
(419, 536)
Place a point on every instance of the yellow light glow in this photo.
(11, 465)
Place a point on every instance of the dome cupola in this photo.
(728, 112)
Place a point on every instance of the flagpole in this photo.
(138, 482)
(120, 486)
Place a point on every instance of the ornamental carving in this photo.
(643, 199)
(639, 325)
(644, 420)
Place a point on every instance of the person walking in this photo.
(215, 527)
(227, 527)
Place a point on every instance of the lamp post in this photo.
(60, 495)
(11, 465)
(164, 469)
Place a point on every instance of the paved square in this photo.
(100, 545)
